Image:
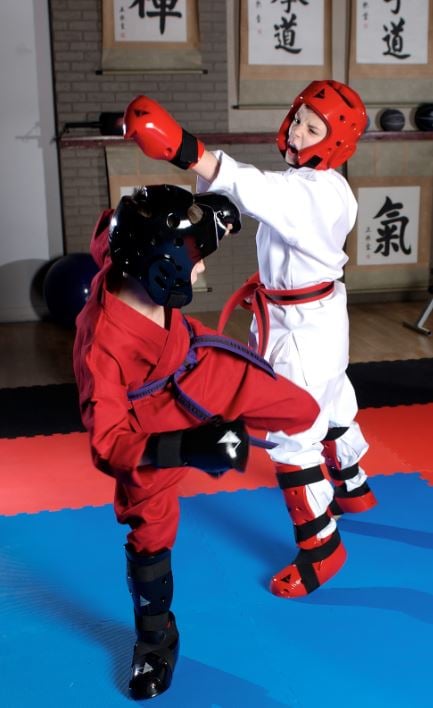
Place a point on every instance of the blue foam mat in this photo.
(364, 639)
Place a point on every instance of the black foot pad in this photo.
(152, 673)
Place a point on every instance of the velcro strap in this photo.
(166, 449)
(305, 559)
(318, 554)
(311, 528)
(187, 154)
(299, 478)
(146, 572)
(153, 623)
(334, 433)
(358, 492)
(345, 473)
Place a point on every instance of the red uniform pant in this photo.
(224, 385)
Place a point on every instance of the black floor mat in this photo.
(44, 410)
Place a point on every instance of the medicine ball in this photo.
(66, 286)
(423, 117)
(392, 119)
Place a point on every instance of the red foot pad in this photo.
(352, 502)
(310, 569)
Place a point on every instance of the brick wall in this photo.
(199, 102)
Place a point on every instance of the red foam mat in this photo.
(55, 472)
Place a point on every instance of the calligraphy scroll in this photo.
(150, 36)
(389, 248)
(392, 39)
(282, 41)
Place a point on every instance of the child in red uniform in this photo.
(159, 391)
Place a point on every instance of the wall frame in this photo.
(390, 275)
(120, 56)
(270, 81)
(397, 69)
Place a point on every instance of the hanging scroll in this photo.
(388, 225)
(150, 36)
(389, 32)
(392, 39)
(282, 41)
(390, 247)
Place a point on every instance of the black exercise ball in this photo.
(66, 286)
(423, 117)
(392, 119)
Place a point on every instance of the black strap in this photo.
(164, 450)
(342, 493)
(319, 553)
(299, 478)
(153, 623)
(187, 154)
(311, 528)
(144, 569)
(334, 433)
(345, 473)
(305, 559)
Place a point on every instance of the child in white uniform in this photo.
(300, 319)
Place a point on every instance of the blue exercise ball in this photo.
(66, 286)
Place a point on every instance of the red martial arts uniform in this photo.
(116, 351)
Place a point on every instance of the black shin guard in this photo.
(150, 583)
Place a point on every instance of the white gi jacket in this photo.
(304, 218)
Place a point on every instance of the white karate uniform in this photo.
(304, 218)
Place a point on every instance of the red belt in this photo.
(255, 297)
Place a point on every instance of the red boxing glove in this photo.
(159, 135)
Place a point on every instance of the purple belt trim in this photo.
(194, 408)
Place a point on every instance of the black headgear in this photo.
(161, 231)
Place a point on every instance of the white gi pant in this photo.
(325, 351)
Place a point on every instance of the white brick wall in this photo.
(199, 102)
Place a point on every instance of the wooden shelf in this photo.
(92, 141)
(401, 135)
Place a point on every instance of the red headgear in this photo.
(344, 114)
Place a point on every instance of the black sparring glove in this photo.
(226, 213)
(214, 447)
